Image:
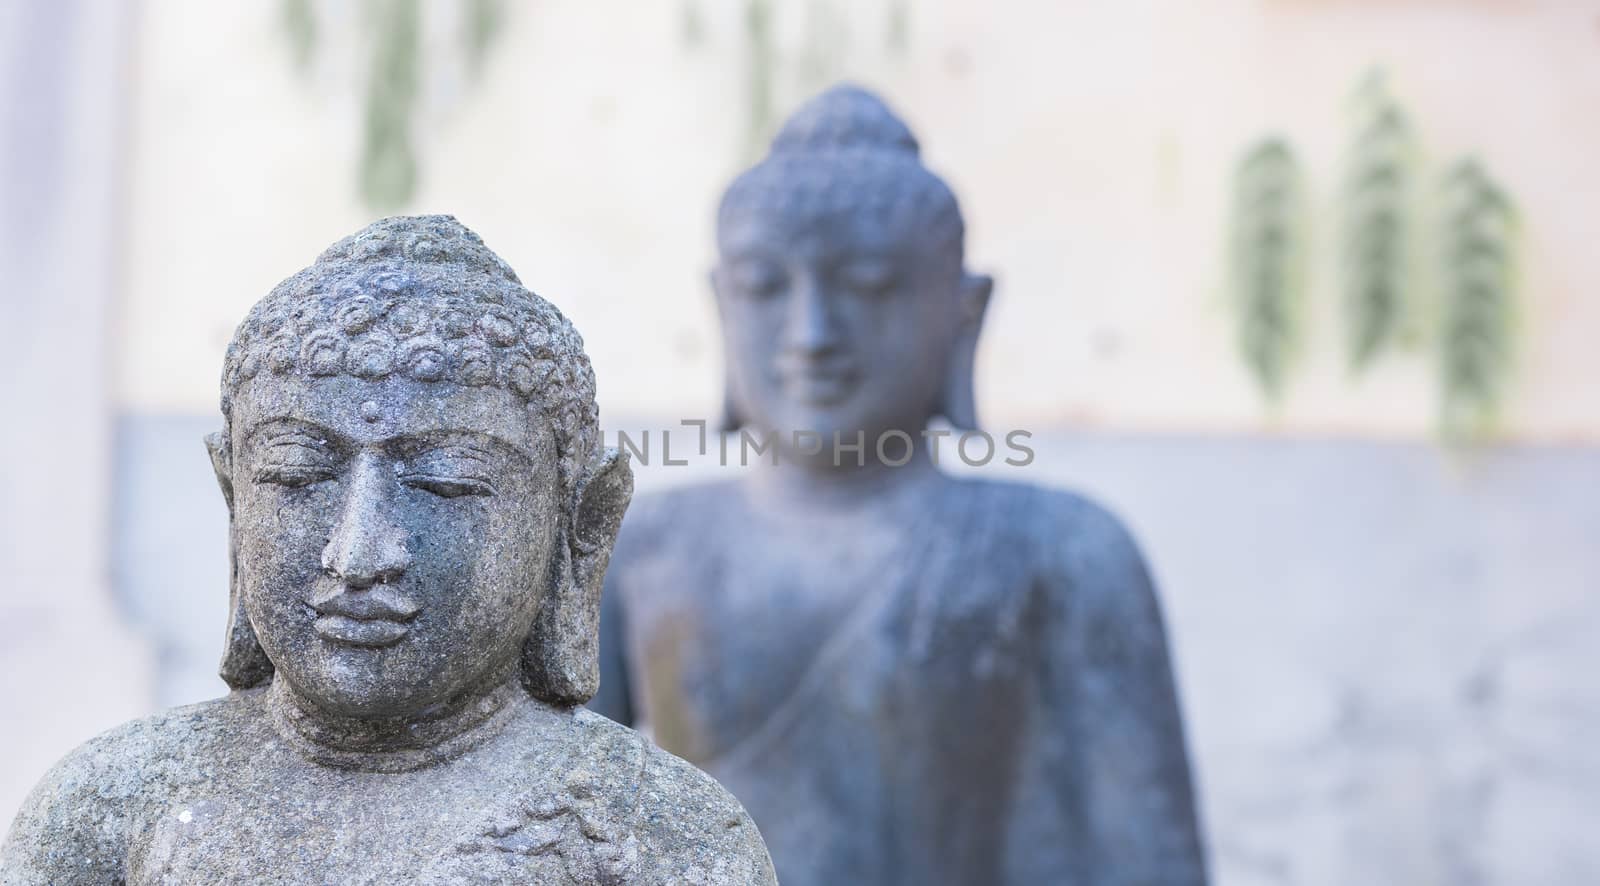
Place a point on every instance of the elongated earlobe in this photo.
(244, 662)
(731, 419)
(561, 657)
(959, 402)
(222, 465)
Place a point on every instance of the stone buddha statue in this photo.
(421, 516)
(907, 677)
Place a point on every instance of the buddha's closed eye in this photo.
(292, 476)
(448, 487)
(449, 468)
(757, 279)
(869, 277)
(448, 473)
(294, 461)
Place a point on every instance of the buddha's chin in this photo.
(355, 682)
(818, 422)
(356, 704)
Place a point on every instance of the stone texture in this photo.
(421, 515)
(907, 677)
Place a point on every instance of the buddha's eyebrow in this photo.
(753, 251)
(474, 445)
(471, 450)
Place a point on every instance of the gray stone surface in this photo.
(905, 676)
(421, 515)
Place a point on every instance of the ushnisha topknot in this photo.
(845, 118)
(422, 296)
(846, 151)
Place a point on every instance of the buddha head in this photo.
(840, 282)
(419, 504)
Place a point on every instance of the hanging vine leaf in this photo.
(898, 34)
(1375, 231)
(692, 25)
(388, 167)
(388, 159)
(1478, 289)
(817, 62)
(759, 76)
(300, 26)
(1266, 257)
(483, 22)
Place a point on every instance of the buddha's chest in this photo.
(717, 641)
(375, 829)
(721, 638)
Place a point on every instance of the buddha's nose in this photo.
(811, 328)
(366, 546)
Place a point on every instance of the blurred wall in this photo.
(1092, 145)
(70, 666)
(1382, 646)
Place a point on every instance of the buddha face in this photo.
(835, 323)
(394, 536)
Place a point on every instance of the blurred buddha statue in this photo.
(906, 677)
(420, 516)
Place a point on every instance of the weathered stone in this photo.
(906, 677)
(421, 518)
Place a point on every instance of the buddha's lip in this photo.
(369, 618)
(820, 386)
(376, 603)
(367, 633)
(805, 368)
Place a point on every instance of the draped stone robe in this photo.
(214, 793)
(981, 696)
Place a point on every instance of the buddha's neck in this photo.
(795, 484)
(397, 744)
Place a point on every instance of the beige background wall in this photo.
(70, 666)
(1091, 143)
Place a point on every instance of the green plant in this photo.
(300, 27)
(1477, 289)
(1266, 257)
(485, 19)
(388, 169)
(762, 67)
(1473, 284)
(691, 24)
(817, 60)
(1375, 230)
(897, 36)
(388, 158)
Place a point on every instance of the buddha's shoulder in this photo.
(127, 757)
(691, 830)
(677, 514)
(100, 790)
(696, 828)
(1061, 520)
